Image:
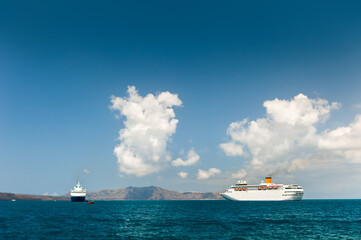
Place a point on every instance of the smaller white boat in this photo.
(78, 193)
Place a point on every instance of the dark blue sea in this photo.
(307, 219)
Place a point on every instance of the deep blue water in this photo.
(307, 219)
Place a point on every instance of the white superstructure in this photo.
(266, 191)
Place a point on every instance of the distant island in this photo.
(27, 197)
(129, 193)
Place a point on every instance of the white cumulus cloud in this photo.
(203, 174)
(183, 174)
(232, 149)
(344, 141)
(192, 158)
(288, 138)
(299, 111)
(149, 123)
(239, 174)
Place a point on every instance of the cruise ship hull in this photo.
(77, 199)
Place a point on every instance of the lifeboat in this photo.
(90, 202)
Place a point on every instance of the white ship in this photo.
(266, 191)
(77, 194)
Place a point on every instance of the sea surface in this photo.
(307, 219)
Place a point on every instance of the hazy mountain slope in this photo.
(129, 193)
(149, 193)
(26, 197)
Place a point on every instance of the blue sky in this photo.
(60, 63)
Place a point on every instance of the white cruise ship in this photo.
(77, 194)
(266, 191)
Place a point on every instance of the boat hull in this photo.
(77, 199)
